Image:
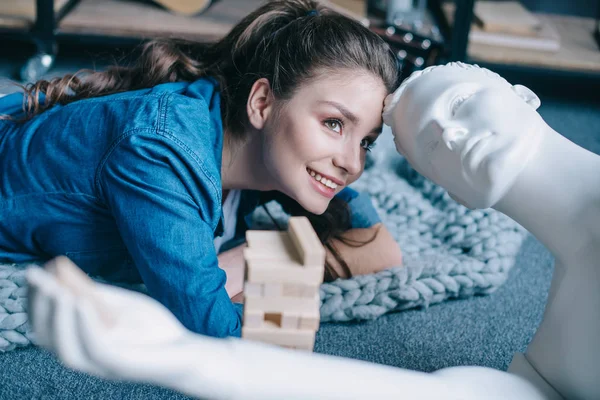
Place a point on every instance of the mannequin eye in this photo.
(458, 101)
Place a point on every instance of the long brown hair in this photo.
(287, 42)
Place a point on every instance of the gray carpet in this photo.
(482, 331)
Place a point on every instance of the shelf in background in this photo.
(20, 14)
(578, 49)
(135, 19)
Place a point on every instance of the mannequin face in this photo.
(469, 132)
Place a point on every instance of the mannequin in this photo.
(479, 137)
(118, 334)
(471, 132)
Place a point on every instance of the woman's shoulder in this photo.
(183, 113)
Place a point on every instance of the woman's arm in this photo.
(381, 253)
(151, 186)
(232, 262)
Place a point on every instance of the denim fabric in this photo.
(362, 212)
(129, 187)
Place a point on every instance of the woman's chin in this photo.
(314, 206)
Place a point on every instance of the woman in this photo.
(133, 172)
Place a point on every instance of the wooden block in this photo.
(307, 242)
(269, 272)
(277, 244)
(310, 290)
(253, 289)
(272, 319)
(309, 322)
(301, 339)
(290, 320)
(253, 318)
(265, 255)
(293, 290)
(299, 290)
(283, 304)
(274, 289)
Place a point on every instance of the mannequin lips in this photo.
(471, 152)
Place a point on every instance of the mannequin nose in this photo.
(453, 136)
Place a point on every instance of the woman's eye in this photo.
(334, 125)
(368, 144)
(457, 102)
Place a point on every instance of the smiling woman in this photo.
(148, 172)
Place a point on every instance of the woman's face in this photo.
(315, 144)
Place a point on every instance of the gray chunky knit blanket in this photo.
(449, 252)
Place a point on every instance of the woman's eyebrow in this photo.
(350, 115)
(345, 112)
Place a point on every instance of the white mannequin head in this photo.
(466, 128)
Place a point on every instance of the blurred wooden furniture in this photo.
(21, 14)
(578, 51)
(577, 54)
(185, 7)
(108, 21)
(134, 20)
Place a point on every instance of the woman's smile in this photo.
(324, 185)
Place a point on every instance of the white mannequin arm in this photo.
(144, 342)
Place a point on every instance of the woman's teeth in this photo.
(322, 180)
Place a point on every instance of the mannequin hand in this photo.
(100, 329)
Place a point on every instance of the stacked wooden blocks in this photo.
(281, 293)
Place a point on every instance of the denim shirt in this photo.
(128, 186)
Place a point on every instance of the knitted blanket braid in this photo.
(14, 329)
(448, 251)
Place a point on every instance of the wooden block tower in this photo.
(281, 292)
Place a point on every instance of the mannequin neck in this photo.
(559, 176)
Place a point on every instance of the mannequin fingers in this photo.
(51, 316)
(67, 339)
(103, 355)
(40, 304)
(122, 358)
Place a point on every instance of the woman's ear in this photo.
(528, 96)
(260, 103)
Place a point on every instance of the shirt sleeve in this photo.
(12, 104)
(362, 212)
(163, 203)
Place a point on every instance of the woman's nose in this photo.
(349, 160)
